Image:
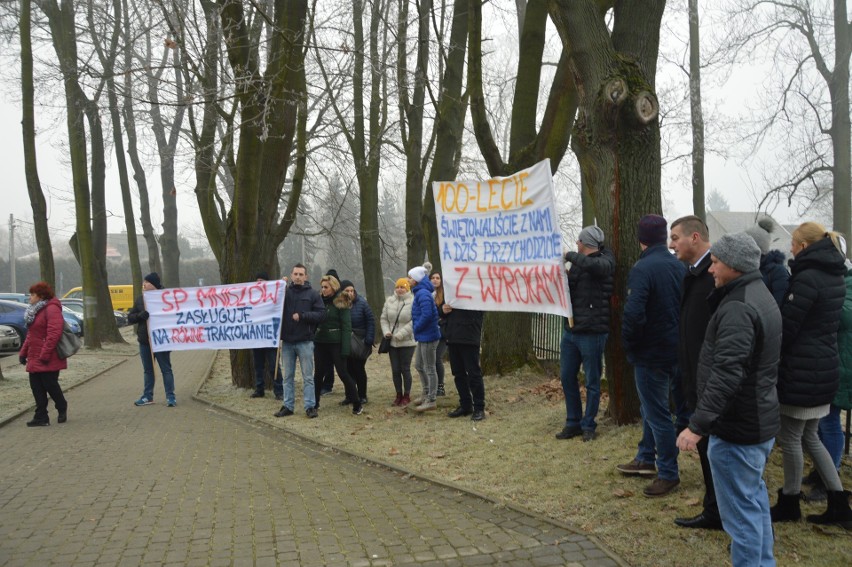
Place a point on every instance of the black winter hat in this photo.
(154, 279)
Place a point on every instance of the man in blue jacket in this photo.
(649, 334)
(303, 311)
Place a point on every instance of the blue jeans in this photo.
(264, 361)
(305, 352)
(831, 435)
(658, 431)
(164, 360)
(743, 500)
(585, 349)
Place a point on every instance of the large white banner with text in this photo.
(501, 249)
(232, 316)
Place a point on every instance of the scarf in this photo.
(33, 310)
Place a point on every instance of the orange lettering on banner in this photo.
(504, 194)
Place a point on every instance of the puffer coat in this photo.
(809, 372)
(843, 398)
(591, 282)
(398, 306)
(336, 328)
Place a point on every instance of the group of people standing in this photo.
(730, 352)
(324, 329)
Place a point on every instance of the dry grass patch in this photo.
(512, 456)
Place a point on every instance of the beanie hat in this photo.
(591, 236)
(738, 251)
(652, 230)
(420, 272)
(403, 282)
(760, 233)
(333, 273)
(261, 276)
(346, 283)
(154, 279)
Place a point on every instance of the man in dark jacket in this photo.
(265, 364)
(303, 311)
(649, 333)
(463, 331)
(590, 280)
(690, 241)
(138, 316)
(737, 400)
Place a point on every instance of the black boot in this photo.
(838, 511)
(787, 509)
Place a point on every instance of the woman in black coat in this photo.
(808, 376)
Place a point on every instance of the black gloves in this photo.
(22, 360)
(144, 316)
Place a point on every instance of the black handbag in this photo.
(358, 348)
(68, 344)
(385, 345)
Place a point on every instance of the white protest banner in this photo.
(232, 316)
(500, 244)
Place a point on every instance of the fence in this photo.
(547, 335)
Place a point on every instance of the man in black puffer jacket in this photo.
(463, 331)
(737, 400)
(590, 280)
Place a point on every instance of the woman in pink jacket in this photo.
(44, 329)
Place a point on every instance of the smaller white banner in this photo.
(232, 316)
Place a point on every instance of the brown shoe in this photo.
(660, 487)
(637, 468)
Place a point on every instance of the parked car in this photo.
(10, 342)
(76, 305)
(12, 314)
(19, 297)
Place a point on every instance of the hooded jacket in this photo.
(809, 372)
(43, 334)
(738, 367)
(775, 275)
(590, 280)
(363, 321)
(336, 327)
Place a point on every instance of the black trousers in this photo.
(327, 358)
(43, 384)
(357, 368)
(464, 364)
(711, 508)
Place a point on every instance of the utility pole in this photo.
(12, 250)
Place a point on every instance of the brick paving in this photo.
(191, 485)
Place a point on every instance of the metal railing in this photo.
(547, 335)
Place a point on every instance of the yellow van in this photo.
(122, 296)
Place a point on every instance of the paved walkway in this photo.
(121, 485)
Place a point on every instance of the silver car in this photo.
(10, 341)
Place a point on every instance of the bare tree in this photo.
(806, 112)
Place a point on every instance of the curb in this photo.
(404, 472)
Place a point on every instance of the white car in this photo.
(10, 341)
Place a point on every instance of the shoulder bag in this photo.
(68, 344)
(384, 346)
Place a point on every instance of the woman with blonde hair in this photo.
(332, 341)
(808, 376)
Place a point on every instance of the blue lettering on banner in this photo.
(264, 331)
(214, 316)
(160, 337)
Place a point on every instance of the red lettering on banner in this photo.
(177, 295)
(525, 285)
(237, 296)
(463, 270)
(188, 335)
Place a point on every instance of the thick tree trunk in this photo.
(617, 142)
(37, 201)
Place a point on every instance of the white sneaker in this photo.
(426, 406)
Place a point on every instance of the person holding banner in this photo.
(591, 282)
(333, 341)
(266, 360)
(463, 331)
(427, 334)
(303, 311)
(138, 316)
(397, 326)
